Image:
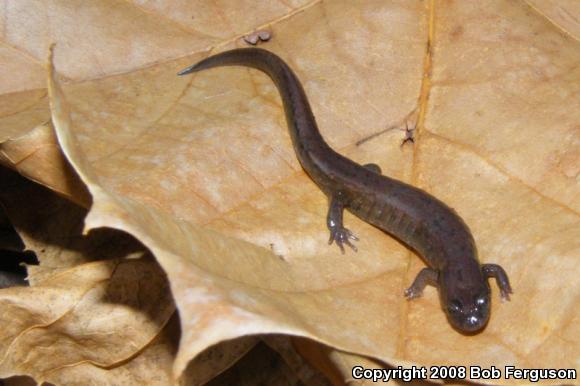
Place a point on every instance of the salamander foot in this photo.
(338, 232)
(501, 277)
(427, 276)
(342, 236)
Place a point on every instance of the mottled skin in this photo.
(410, 214)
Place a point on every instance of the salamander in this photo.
(421, 221)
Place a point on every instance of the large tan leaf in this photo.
(193, 166)
(52, 226)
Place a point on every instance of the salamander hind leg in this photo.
(337, 230)
(501, 277)
(427, 276)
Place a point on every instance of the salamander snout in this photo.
(469, 316)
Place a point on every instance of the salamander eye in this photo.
(455, 306)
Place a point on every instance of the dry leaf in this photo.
(217, 359)
(52, 226)
(37, 156)
(261, 366)
(563, 13)
(21, 112)
(151, 366)
(308, 374)
(78, 317)
(101, 313)
(493, 85)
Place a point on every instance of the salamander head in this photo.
(465, 297)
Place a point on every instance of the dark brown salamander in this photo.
(418, 219)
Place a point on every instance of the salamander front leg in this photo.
(503, 282)
(337, 230)
(425, 276)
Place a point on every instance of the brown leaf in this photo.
(216, 360)
(151, 366)
(20, 113)
(79, 317)
(193, 166)
(37, 155)
(51, 226)
(116, 37)
(563, 13)
(261, 366)
(102, 313)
